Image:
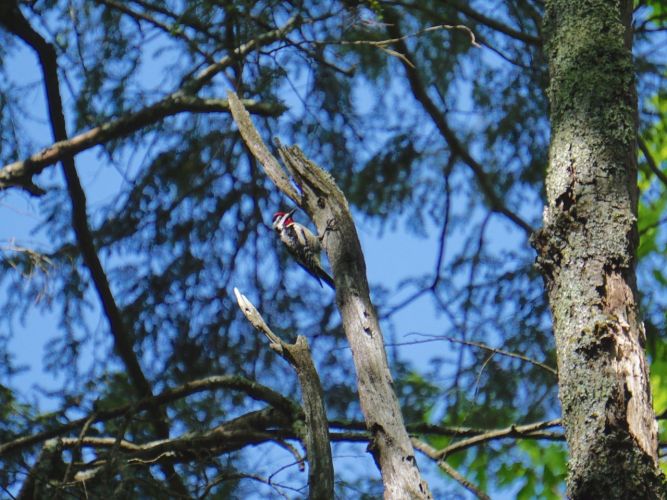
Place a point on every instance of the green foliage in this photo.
(652, 252)
(417, 396)
(540, 469)
(391, 167)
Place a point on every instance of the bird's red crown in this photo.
(278, 215)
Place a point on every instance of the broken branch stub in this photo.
(316, 438)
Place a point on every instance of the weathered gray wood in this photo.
(324, 202)
(316, 434)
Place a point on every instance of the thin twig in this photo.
(650, 161)
(389, 41)
(511, 431)
(436, 338)
(233, 382)
(20, 173)
(431, 452)
(487, 187)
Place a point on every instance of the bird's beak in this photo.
(291, 212)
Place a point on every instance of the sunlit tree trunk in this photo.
(587, 252)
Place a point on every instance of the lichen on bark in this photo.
(586, 251)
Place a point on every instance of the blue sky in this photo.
(391, 257)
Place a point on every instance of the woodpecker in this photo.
(302, 244)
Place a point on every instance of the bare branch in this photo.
(502, 352)
(528, 431)
(252, 428)
(431, 452)
(20, 173)
(257, 147)
(496, 204)
(511, 431)
(328, 208)
(524, 431)
(252, 389)
(318, 448)
(390, 41)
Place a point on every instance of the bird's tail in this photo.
(324, 276)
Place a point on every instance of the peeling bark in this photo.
(587, 248)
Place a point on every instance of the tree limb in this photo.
(528, 431)
(326, 205)
(511, 431)
(485, 184)
(14, 21)
(318, 448)
(251, 428)
(651, 162)
(430, 452)
(252, 389)
(20, 173)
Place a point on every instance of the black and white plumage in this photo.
(302, 244)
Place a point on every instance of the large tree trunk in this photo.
(587, 252)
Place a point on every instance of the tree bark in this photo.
(327, 206)
(390, 444)
(316, 434)
(587, 249)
